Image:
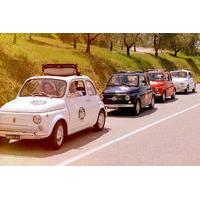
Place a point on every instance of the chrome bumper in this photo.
(116, 106)
(21, 132)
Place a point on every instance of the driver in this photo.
(48, 88)
(73, 90)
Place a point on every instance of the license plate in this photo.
(13, 137)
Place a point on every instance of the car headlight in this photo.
(37, 119)
(101, 97)
(127, 97)
(156, 89)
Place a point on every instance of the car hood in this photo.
(120, 90)
(179, 80)
(33, 105)
(156, 83)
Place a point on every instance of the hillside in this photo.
(22, 60)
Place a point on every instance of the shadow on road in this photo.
(128, 113)
(39, 149)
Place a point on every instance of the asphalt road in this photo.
(167, 135)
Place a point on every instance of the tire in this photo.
(99, 126)
(137, 108)
(152, 104)
(194, 89)
(163, 98)
(57, 136)
(173, 95)
(187, 89)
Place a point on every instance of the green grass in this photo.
(24, 59)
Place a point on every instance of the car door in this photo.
(93, 101)
(190, 80)
(168, 85)
(78, 106)
(171, 84)
(146, 92)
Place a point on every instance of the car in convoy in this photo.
(161, 84)
(128, 90)
(183, 81)
(56, 104)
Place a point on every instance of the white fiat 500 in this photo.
(58, 103)
(183, 81)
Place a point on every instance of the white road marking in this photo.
(89, 152)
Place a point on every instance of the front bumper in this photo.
(21, 132)
(116, 106)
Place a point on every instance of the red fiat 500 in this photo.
(162, 85)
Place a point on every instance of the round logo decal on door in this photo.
(81, 113)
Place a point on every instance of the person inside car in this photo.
(48, 88)
(73, 90)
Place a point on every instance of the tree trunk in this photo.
(134, 46)
(156, 52)
(175, 53)
(111, 45)
(128, 50)
(122, 47)
(88, 47)
(30, 37)
(14, 38)
(75, 43)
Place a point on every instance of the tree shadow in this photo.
(19, 67)
(42, 43)
(194, 67)
(165, 63)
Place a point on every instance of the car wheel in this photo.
(173, 95)
(194, 89)
(100, 121)
(187, 89)
(137, 108)
(163, 98)
(152, 104)
(57, 136)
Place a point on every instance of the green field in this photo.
(24, 59)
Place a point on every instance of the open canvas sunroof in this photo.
(60, 69)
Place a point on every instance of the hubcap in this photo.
(152, 101)
(101, 120)
(138, 107)
(60, 135)
(164, 96)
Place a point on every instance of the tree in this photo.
(130, 40)
(76, 37)
(90, 37)
(30, 36)
(156, 42)
(14, 38)
(110, 38)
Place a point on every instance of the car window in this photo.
(90, 88)
(123, 79)
(179, 74)
(190, 75)
(44, 87)
(156, 76)
(77, 88)
(143, 81)
(166, 77)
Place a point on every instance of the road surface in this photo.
(167, 135)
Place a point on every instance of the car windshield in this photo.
(156, 76)
(44, 87)
(179, 74)
(129, 80)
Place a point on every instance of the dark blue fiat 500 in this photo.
(128, 90)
